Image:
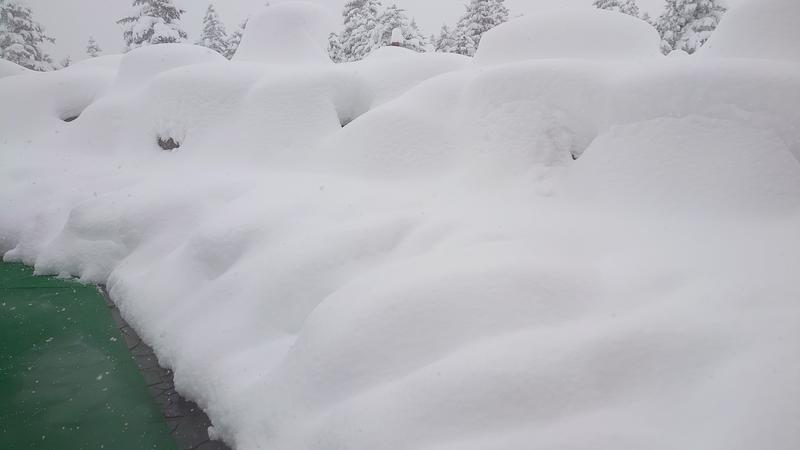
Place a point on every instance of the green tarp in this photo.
(67, 380)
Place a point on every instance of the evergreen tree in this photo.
(465, 45)
(446, 42)
(92, 49)
(66, 62)
(234, 39)
(214, 35)
(480, 17)
(395, 18)
(335, 48)
(687, 24)
(152, 22)
(415, 40)
(21, 37)
(628, 7)
(362, 31)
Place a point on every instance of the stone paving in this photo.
(187, 422)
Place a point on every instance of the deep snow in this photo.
(439, 273)
(7, 68)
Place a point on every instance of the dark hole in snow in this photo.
(70, 118)
(345, 121)
(168, 143)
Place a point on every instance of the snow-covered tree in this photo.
(92, 49)
(21, 37)
(465, 45)
(416, 37)
(687, 24)
(362, 29)
(234, 39)
(628, 7)
(213, 35)
(446, 41)
(335, 48)
(65, 62)
(480, 17)
(367, 28)
(392, 18)
(395, 18)
(152, 22)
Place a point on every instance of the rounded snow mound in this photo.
(390, 52)
(762, 29)
(590, 34)
(288, 33)
(8, 68)
(110, 62)
(144, 63)
(695, 165)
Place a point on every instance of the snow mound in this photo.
(689, 166)
(53, 101)
(288, 33)
(142, 64)
(761, 29)
(391, 52)
(391, 71)
(590, 34)
(110, 62)
(7, 68)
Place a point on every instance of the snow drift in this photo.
(537, 249)
(288, 33)
(594, 34)
(8, 68)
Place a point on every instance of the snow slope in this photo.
(539, 249)
(7, 68)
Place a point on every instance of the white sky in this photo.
(71, 22)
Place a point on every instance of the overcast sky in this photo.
(71, 22)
